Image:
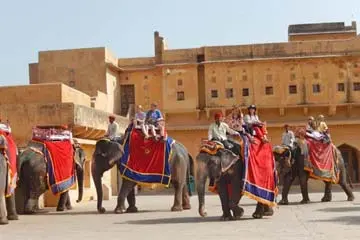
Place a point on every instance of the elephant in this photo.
(108, 153)
(226, 169)
(7, 203)
(33, 182)
(289, 170)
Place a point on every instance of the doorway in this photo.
(127, 98)
(350, 155)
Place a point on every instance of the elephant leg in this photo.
(126, 188)
(68, 201)
(177, 206)
(10, 208)
(186, 198)
(288, 180)
(327, 193)
(131, 199)
(259, 211)
(31, 205)
(3, 213)
(62, 202)
(224, 198)
(346, 188)
(304, 177)
(268, 211)
(235, 196)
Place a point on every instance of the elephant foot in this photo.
(283, 202)
(176, 208)
(268, 211)
(186, 206)
(259, 211)
(226, 217)
(119, 210)
(4, 221)
(13, 217)
(79, 200)
(257, 215)
(326, 198)
(238, 212)
(202, 212)
(305, 201)
(29, 212)
(69, 207)
(132, 209)
(60, 209)
(101, 210)
(351, 198)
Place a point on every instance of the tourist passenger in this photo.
(235, 120)
(321, 125)
(139, 121)
(311, 126)
(113, 128)
(155, 119)
(288, 137)
(218, 131)
(253, 124)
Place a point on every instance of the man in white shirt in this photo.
(113, 128)
(288, 137)
(218, 131)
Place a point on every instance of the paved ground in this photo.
(336, 220)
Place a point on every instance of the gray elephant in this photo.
(225, 169)
(7, 204)
(108, 153)
(33, 182)
(291, 165)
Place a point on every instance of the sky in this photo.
(127, 27)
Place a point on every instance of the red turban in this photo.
(218, 115)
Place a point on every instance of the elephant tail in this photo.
(190, 175)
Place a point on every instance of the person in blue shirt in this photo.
(154, 117)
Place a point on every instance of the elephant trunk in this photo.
(98, 185)
(201, 176)
(80, 180)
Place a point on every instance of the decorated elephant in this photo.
(291, 165)
(227, 170)
(34, 178)
(108, 153)
(7, 199)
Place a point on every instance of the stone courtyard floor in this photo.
(335, 220)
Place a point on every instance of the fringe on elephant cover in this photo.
(145, 161)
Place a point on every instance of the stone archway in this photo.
(351, 157)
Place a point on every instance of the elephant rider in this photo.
(288, 137)
(155, 118)
(254, 126)
(218, 131)
(323, 128)
(235, 120)
(139, 122)
(311, 126)
(113, 129)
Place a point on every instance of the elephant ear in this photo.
(227, 159)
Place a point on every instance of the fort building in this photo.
(317, 71)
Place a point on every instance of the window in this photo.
(293, 89)
(356, 86)
(269, 90)
(355, 65)
(179, 82)
(244, 78)
(214, 93)
(341, 87)
(316, 88)
(268, 77)
(229, 79)
(180, 96)
(245, 92)
(229, 93)
(213, 79)
(146, 77)
(356, 75)
(292, 76)
(316, 75)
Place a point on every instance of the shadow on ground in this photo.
(347, 220)
(183, 220)
(50, 212)
(340, 209)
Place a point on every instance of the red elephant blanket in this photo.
(11, 154)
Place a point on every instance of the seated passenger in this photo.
(253, 124)
(218, 131)
(155, 119)
(139, 121)
(311, 126)
(235, 120)
(322, 127)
